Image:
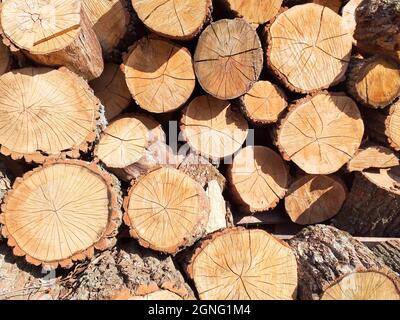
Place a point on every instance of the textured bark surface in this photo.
(324, 255)
(127, 268)
(370, 210)
(378, 27)
(389, 252)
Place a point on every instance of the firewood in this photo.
(228, 58)
(61, 212)
(112, 90)
(373, 157)
(124, 273)
(180, 20)
(254, 11)
(321, 132)
(46, 113)
(335, 266)
(264, 103)
(372, 206)
(374, 82)
(53, 34)
(308, 48)
(389, 252)
(313, 199)
(218, 211)
(159, 74)
(162, 218)
(349, 17)
(213, 128)
(334, 5)
(378, 27)
(6, 178)
(258, 179)
(240, 264)
(109, 20)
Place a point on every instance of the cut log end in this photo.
(373, 157)
(314, 199)
(349, 17)
(264, 103)
(321, 133)
(60, 212)
(213, 127)
(162, 218)
(60, 117)
(258, 177)
(181, 20)
(239, 264)
(304, 40)
(159, 75)
(112, 90)
(231, 49)
(392, 126)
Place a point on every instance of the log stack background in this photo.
(99, 200)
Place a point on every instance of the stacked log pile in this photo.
(226, 149)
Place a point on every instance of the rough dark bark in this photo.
(389, 252)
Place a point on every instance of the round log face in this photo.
(41, 26)
(393, 126)
(58, 213)
(123, 143)
(259, 178)
(239, 264)
(308, 48)
(166, 209)
(112, 91)
(45, 112)
(159, 75)
(213, 128)
(370, 285)
(373, 157)
(320, 134)
(386, 179)
(256, 11)
(228, 58)
(176, 19)
(314, 199)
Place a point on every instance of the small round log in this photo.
(373, 157)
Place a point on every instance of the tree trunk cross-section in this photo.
(314, 198)
(60, 212)
(61, 117)
(240, 264)
(335, 5)
(54, 33)
(175, 19)
(321, 133)
(258, 178)
(166, 210)
(308, 48)
(228, 58)
(373, 157)
(159, 74)
(213, 127)
(333, 265)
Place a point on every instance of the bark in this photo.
(389, 252)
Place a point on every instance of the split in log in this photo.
(228, 58)
(372, 206)
(313, 199)
(240, 264)
(258, 178)
(334, 5)
(213, 128)
(112, 90)
(254, 11)
(159, 74)
(59, 213)
(46, 113)
(54, 34)
(308, 48)
(374, 82)
(180, 20)
(162, 218)
(124, 273)
(329, 260)
(373, 157)
(321, 133)
(349, 17)
(264, 103)
(109, 20)
(378, 27)
(389, 252)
